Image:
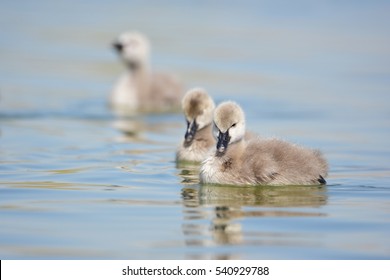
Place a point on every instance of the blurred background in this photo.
(313, 72)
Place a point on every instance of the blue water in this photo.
(75, 185)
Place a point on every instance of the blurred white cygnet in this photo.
(140, 89)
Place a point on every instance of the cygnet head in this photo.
(198, 109)
(133, 48)
(229, 125)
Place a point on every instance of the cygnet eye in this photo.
(233, 125)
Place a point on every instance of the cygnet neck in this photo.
(233, 148)
(141, 76)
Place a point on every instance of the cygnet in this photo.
(198, 109)
(257, 161)
(139, 89)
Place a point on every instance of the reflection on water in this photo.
(133, 129)
(189, 172)
(225, 207)
(282, 196)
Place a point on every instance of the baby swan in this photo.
(257, 161)
(198, 109)
(139, 89)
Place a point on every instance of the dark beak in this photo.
(117, 46)
(192, 127)
(223, 141)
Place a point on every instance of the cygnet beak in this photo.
(117, 46)
(223, 141)
(192, 127)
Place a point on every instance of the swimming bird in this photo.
(257, 161)
(140, 89)
(198, 108)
